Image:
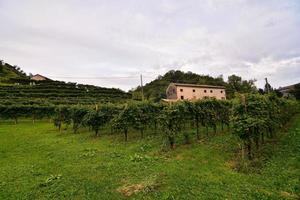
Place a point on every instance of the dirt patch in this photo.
(179, 157)
(147, 185)
(232, 164)
(131, 189)
(288, 195)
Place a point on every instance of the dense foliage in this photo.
(235, 84)
(253, 117)
(296, 91)
(156, 89)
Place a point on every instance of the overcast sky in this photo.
(76, 40)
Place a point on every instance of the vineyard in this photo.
(150, 100)
(71, 141)
(55, 92)
(251, 117)
(144, 150)
(16, 88)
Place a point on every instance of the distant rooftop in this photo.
(39, 77)
(287, 88)
(196, 85)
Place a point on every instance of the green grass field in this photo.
(37, 162)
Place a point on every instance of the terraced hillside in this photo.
(59, 93)
(17, 88)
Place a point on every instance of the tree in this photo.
(254, 115)
(123, 121)
(40, 111)
(1, 66)
(210, 117)
(196, 112)
(172, 120)
(141, 116)
(96, 119)
(13, 112)
(77, 115)
(62, 115)
(154, 113)
(235, 84)
(224, 113)
(249, 117)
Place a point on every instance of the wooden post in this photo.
(142, 89)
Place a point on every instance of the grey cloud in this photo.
(121, 38)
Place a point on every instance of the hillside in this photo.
(9, 72)
(56, 92)
(156, 89)
(59, 92)
(17, 88)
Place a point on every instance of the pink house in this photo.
(181, 91)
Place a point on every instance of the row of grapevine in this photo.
(60, 93)
(170, 119)
(257, 116)
(251, 116)
(205, 113)
(29, 111)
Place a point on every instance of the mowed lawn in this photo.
(38, 162)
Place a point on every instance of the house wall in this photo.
(193, 93)
(172, 92)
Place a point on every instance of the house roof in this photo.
(287, 88)
(38, 75)
(196, 85)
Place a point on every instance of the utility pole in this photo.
(142, 89)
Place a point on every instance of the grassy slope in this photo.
(8, 72)
(36, 162)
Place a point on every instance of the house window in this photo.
(181, 90)
(223, 98)
(194, 90)
(204, 91)
(221, 91)
(181, 97)
(205, 97)
(211, 91)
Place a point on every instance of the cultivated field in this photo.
(38, 162)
